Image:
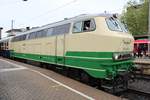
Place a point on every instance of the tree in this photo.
(136, 17)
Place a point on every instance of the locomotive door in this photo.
(60, 49)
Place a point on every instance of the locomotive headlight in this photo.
(132, 54)
(122, 56)
(115, 56)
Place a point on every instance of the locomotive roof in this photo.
(67, 20)
(79, 17)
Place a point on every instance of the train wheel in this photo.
(43, 65)
(65, 71)
(85, 77)
(100, 85)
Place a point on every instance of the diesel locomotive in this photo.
(97, 47)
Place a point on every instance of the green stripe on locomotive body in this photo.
(96, 64)
(91, 54)
(107, 67)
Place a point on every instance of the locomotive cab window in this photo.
(77, 27)
(113, 24)
(88, 25)
(84, 26)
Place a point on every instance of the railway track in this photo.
(142, 76)
(139, 92)
(133, 94)
(139, 89)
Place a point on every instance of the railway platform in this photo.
(20, 81)
(142, 61)
(143, 64)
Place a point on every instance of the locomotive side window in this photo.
(49, 31)
(38, 34)
(22, 37)
(19, 38)
(61, 29)
(44, 33)
(32, 35)
(41, 33)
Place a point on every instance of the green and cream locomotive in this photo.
(98, 47)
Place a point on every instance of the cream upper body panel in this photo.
(102, 39)
(124, 39)
(43, 46)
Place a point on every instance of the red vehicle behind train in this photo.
(141, 47)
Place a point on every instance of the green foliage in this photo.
(136, 18)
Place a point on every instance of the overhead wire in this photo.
(50, 11)
(8, 3)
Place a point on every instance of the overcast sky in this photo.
(40, 12)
